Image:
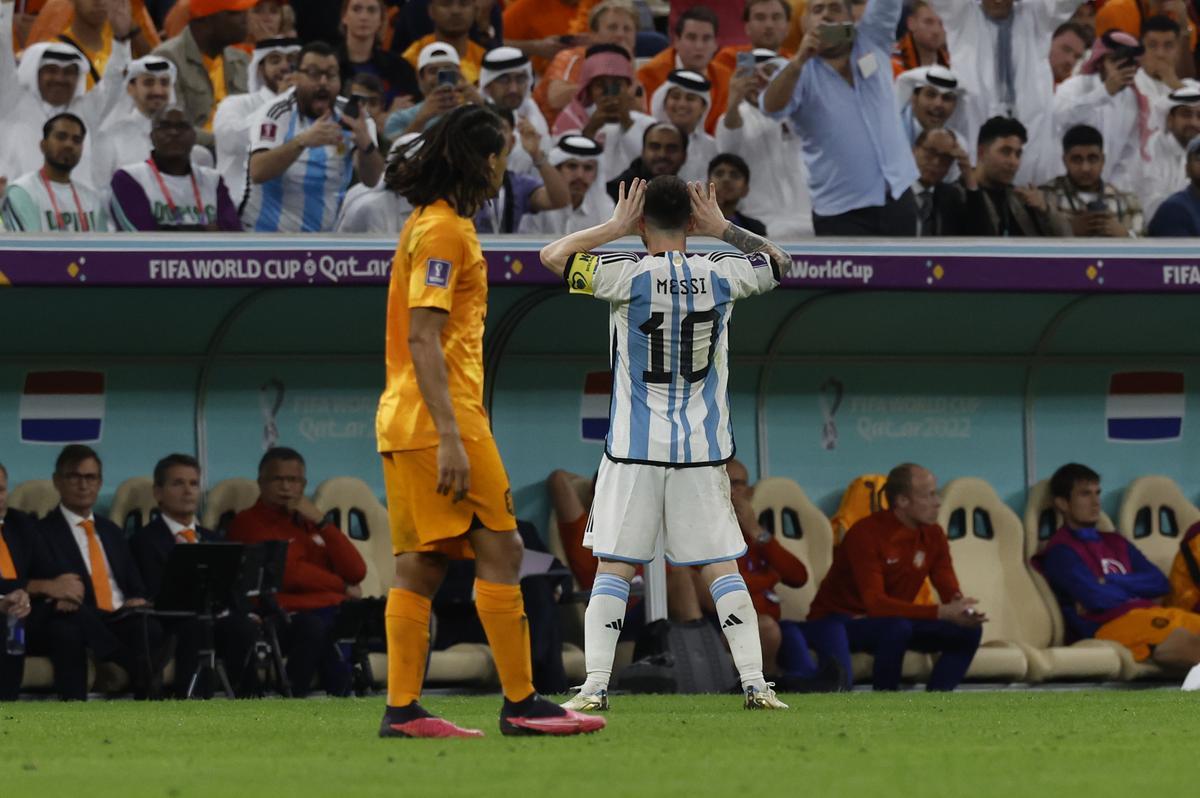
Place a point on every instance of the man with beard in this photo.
(48, 199)
(1092, 206)
(209, 66)
(1164, 173)
(769, 147)
(837, 93)
(51, 80)
(923, 42)
(934, 102)
(167, 191)
(1000, 208)
(664, 149)
(452, 20)
(304, 150)
(577, 159)
(125, 135)
(270, 76)
(683, 101)
(505, 81)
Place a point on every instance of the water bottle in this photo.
(14, 641)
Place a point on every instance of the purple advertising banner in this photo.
(907, 265)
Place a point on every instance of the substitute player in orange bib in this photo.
(447, 492)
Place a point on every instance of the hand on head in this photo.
(707, 219)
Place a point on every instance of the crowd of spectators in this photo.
(888, 117)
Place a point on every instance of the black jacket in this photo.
(636, 169)
(18, 536)
(151, 547)
(56, 553)
(949, 214)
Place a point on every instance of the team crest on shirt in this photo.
(1111, 566)
(437, 273)
(268, 131)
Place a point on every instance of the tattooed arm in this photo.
(708, 220)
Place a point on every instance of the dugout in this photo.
(996, 360)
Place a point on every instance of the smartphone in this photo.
(1097, 206)
(745, 62)
(353, 106)
(837, 33)
(447, 77)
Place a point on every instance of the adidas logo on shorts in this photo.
(732, 620)
(618, 624)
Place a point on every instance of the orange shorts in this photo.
(1139, 630)
(422, 520)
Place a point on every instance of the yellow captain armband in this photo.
(581, 272)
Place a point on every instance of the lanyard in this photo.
(178, 214)
(58, 217)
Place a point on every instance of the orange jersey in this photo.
(438, 264)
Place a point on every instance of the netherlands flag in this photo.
(593, 410)
(62, 407)
(1145, 406)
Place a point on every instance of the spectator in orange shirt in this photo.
(611, 22)
(923, 42)
(766, 26)
(543, 28)
(323, 570)
(878, 570)
(694, 49)
(452, 20)
(1128, 16)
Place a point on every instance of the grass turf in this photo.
(967, 744)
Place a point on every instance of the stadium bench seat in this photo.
(571, 614)
(225, 500)
(1154, 516)
(987, 544)
(365, 521)
(1084, 659)
(133, 503)
(803, 530)
(36, 496)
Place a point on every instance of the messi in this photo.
(693, 285)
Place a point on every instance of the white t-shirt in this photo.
(306, 197)
(75, 207)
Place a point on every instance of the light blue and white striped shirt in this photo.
(307, 196)
(669, 330)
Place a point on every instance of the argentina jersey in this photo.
(307, 196)
(669, 330)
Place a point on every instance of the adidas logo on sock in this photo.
(618, 624)
(732, 620)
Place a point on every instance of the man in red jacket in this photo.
(876, 574)
(323, 570)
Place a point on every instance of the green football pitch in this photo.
(1008, 743)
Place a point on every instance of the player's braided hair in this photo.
(451, 162)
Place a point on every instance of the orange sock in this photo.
(407, 622)
(502, 613)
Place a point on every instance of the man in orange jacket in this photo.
(695, 48)
(323, 570)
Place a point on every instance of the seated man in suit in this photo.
(89, 588)
(15, 550)
(323, 570)
(1106, 587)
(177, 492)
(941, 205)
(877, 573)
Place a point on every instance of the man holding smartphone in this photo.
(440, 78)
(859, 161)
(1092, 206)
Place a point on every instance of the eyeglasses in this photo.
(330, 75)
(81, 479)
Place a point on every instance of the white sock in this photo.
(602, 624)
(739, 622)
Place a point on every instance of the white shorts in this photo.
(691, 507)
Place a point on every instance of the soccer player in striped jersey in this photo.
(670, 431)
(448, 495)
